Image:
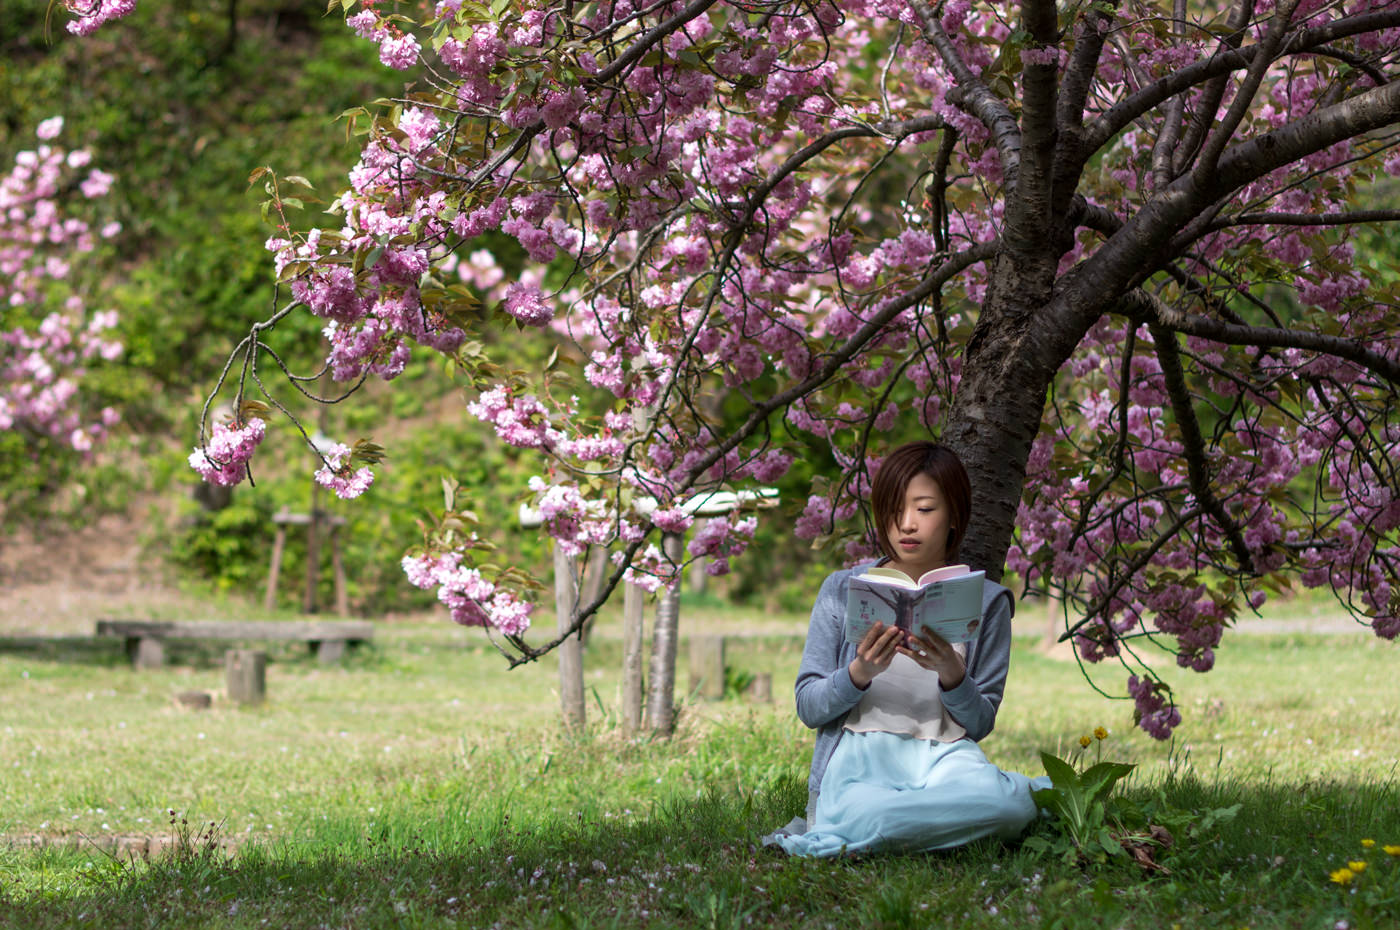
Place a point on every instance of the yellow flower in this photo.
(1343, 876)
(1084, 741)
(1367, 844)
(1100, 733)
(1357, 867)
(1391, 850)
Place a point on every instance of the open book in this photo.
(946, 601)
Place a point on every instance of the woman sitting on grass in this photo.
(896, 764)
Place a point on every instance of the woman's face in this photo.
(918, 534)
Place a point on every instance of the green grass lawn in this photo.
(423, 784)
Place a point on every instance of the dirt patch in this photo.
(58, 580)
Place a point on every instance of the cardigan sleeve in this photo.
(824, 688)
(974, 702)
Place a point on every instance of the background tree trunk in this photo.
(633, 615)
(661, 693)
(571, 650)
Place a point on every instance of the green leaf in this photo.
(1061, 773)
(1099, 780)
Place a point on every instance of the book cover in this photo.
(946, 601)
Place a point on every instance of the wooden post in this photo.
(342, 600)
(149, 652)
(761, 688)
(661, 693)
(707, 667)
(245, 674)
(313, 551)
(571, 650)
(313, 522)
(633, 613)
(278, 546)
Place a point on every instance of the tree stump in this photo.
(246, 673)
(707, 667)
(760, 690)
(195, 700)
(146, 652)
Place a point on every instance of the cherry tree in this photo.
(48, 336)
(1104, 250)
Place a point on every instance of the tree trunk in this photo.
(595, 572)
(1007, 369)
(571, 650)
(633, 614)
(661, 708)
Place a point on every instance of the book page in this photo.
(953, 608)
(889, 575)
(942, 574)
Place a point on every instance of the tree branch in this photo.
(1225, 128)
(1193, 444)
(1113, 120)
(1137, 565)
(1172, 119)
(1214, 91)
(1303, 219)
(1145, 240)
(973, 95)
(1267, 337)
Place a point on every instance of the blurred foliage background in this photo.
(182, 101)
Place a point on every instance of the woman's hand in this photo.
(874, 654)
(935, 653)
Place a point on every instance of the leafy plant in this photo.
(1088, 828)
(1091, 824)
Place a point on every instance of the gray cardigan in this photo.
(825, 694)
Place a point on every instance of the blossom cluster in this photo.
(471, 598)
(224, 459)
(44, 357)
(89, 15)
(341, 476)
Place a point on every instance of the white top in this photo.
(906, 698)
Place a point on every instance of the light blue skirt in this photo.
(890, 792)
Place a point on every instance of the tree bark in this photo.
(633, 614)
(661, 706)
(571, 650)
(1000, 402)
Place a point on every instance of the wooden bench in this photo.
(145, 639)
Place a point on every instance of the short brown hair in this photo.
(892, 482)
